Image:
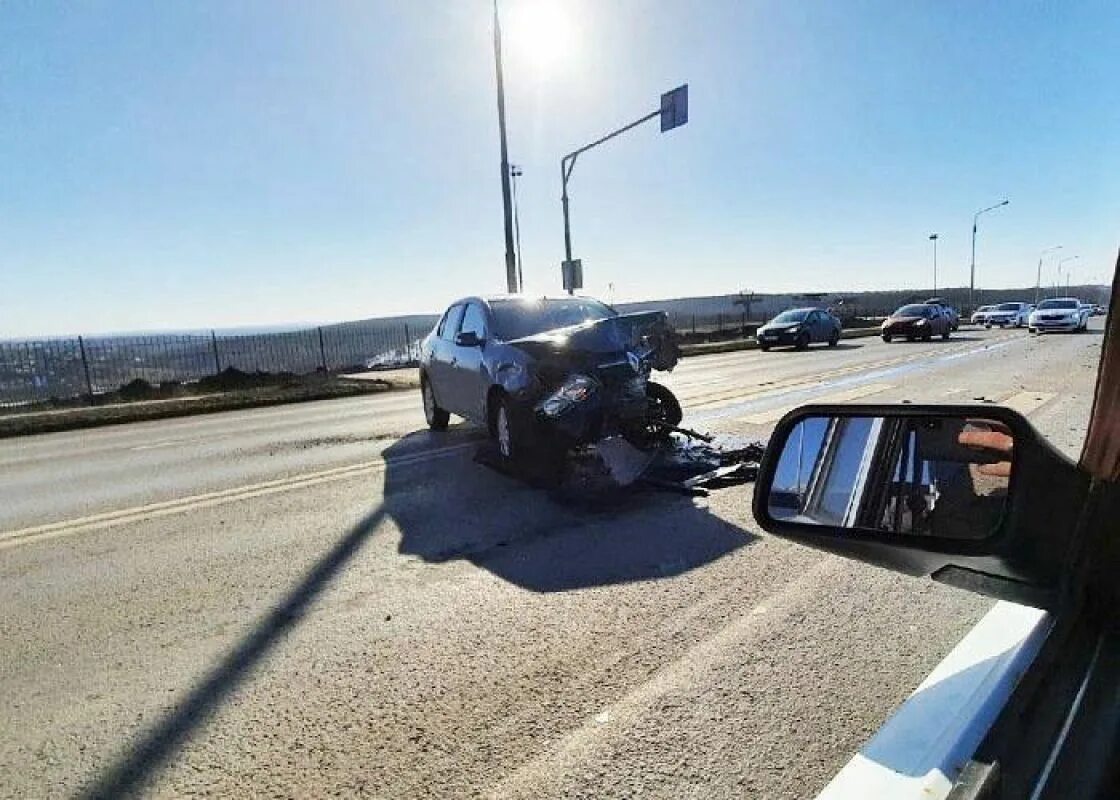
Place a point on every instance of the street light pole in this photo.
(933, 238)
(972, 270)
(1038, 280)
(1063, 261)
(515, 173)
(511, 267)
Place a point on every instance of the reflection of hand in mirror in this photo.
(995, 441)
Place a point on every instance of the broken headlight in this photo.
(575, 389)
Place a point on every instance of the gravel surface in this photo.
(409, 624)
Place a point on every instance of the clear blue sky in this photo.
(188, 164)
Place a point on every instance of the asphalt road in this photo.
(326, 599)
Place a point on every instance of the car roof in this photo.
(803, 308)
(1047, 299)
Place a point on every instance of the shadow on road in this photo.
(128, 775)
(838, 346)
(457, 509)
(447, 507)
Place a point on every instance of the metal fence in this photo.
(58, 370)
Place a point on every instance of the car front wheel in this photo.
(503, 430)
(886, 337)
(435, 416)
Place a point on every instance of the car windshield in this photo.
(1054, 304)
(913, 311)
(986, 308)
(515, 319)
(1008, 307)
(791, 316)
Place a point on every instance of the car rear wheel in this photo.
(764, 347)
(945, 335)
(834, 338)
(435, 416)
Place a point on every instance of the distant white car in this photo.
(1009, 315)
(980, 315)
(1058, 314)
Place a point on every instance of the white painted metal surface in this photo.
(922, 748)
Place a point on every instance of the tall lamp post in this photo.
(515, 173)
(933, 238)
(972, 270)
(511, 266)
(1038, 280)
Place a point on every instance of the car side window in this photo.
(451, 323)
(474, 321)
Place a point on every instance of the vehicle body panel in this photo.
(919, 752)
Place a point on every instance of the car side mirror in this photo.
(970, 495)
(468, 339)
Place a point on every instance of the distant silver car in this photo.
(1009, 315)
(980, 315)
(1059, 314)
(567, 370)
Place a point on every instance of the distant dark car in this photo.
(917, 321)
(799, 327)
(565, 370)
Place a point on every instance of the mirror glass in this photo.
(921, 476)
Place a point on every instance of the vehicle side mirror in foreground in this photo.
(468, 339)
(970, 495)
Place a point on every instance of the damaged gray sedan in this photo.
(550, 374)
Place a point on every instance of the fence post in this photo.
(214, 345)
(694, 323)
(719, 322)
(85, 368)
(322, 350)
(407, 344)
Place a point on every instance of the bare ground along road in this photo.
(325, 599)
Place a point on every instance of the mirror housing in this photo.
(1020, 560)
(468, 339)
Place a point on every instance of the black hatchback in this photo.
(799, 327)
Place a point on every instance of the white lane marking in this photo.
(181, 505)
(774, 414)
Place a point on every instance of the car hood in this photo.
(640, 332)
(778, 327)
(901, 320)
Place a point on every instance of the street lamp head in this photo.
(1005, 202)
(933, 236)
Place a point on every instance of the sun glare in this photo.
(542, 32)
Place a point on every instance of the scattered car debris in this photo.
(690, 464)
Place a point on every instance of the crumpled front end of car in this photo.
(592, 381)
